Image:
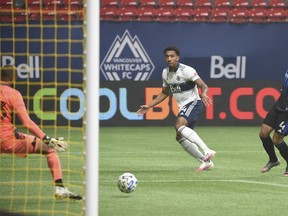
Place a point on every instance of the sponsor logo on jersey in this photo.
(127, 60)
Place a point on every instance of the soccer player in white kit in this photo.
(183, 82)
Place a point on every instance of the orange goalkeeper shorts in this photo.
(19, 147)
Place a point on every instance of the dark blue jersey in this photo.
(282, 102)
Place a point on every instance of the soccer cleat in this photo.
(205, 165)
(270, 165)
(209, 155)
(63, 193)
(286, 172)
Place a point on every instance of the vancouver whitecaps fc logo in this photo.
(127, 60)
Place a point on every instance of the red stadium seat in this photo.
(70, 7)
(52, 4)
(6, 5)
(238, 15)
(184, 14)
(257, 15)
(127, 14)
(51, 7)
(6, 17)
(5, 8)
(110, 3)
(219, 15)
(275, 15)
(203, 4)
(167, 4)
(286, 15)
(20, 10)
(68, 17)
(277, 4)
(49, 15)
(108, 13)
(129, 3)
(14, 17)
(146, 14)
(72, 4)
(34, 16)
(241, 4)
(222, 4)
(6, 2)
(34, 4)
(148, 4)
(49, 12)
(201, 15)
(31, 2)
(164, 14)
(184, 4)
(258, 4)
(20, 17)
(70, 13)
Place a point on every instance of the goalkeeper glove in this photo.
(56, 143)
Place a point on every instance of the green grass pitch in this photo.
(168, 181)
(169, 185)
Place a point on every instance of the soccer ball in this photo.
(127, 182)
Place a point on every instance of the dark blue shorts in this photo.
(277, 120)
(191, 112)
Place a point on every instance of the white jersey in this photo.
(181, 83)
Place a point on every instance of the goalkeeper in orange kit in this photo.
(20, 144)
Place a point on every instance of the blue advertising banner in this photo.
(223, 51)
(243, 64)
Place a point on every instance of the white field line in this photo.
(159, 181)
(168, 152)
(220, 180)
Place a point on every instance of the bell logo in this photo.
(24, 70)
(230, 71)
(127, 60)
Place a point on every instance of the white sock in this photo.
(191, 148)
(193, 137)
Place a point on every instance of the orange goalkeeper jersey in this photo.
(12, 101)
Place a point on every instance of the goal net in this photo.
(44, 40)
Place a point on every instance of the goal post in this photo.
(92, 101)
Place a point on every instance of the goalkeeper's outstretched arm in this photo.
(56, 143)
